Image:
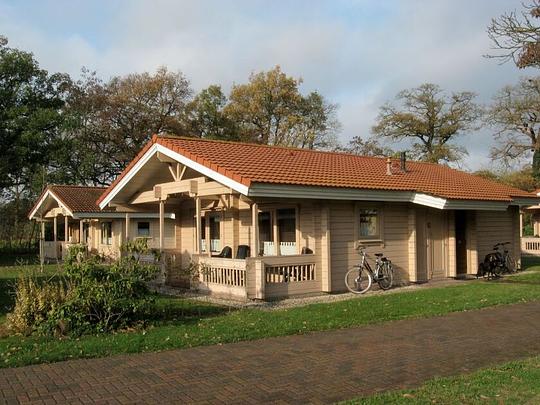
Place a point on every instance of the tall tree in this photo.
(110, 121)
(515, 113)
(270, 109)
(368, 147)
(31, 101)
(516, 36)
(431, 120)
(205, 117)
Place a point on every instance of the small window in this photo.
(143, 229)
(369, 224)
(215, 233)
(106, 233)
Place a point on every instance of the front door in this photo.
(436, 249)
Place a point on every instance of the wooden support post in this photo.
(42, 245)
(81, 229)
(198, 247)
(207, 234)
(260, 278)
(161, 224)
(55, 236)
(452, 259)
(127, 225)
(326, 270)
(254, 230)
(66, 229)
(520, 223)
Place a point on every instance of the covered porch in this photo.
(243, 247)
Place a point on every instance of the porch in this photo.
(530, 246)
(264, 277)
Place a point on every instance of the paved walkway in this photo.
(320, 367)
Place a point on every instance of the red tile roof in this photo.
(249, 163)
(76, 198)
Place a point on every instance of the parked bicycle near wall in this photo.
(360, 277)
(496, 263)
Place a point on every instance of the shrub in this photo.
(35, 302)
(95, 297)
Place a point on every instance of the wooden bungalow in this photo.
(70, 215)
(268, 222)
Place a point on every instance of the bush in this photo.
(95, 297)
(35, 303)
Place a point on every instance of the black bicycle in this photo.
(496, 263)
(360, 277)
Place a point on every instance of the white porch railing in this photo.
(530, 246)
(285, 248)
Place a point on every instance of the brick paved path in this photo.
(318, 367)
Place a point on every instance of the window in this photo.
(214, 225)
(266, 237)
(283, 240)
(369, 224)
(143, 229)
(106, 233)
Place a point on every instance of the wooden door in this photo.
(461, 242)
(436, 246)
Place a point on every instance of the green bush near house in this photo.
(90, 297)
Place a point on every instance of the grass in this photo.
(515, 382)
(181, 323)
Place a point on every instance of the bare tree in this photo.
(515, 113)
(516, 36)
(431, 120)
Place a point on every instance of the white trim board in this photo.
(337, 193)
(49, 193)
(154, 149)
(114, 215)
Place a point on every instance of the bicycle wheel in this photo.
(358, 280)
(386, 276)
(510, 264)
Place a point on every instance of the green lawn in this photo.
(516, 382)
(181, 323)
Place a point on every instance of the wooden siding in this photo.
(495, 226)
(395, 243)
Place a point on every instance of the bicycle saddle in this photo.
(379, 254)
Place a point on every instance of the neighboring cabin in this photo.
(294, 218)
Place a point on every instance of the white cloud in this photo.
(358, 54)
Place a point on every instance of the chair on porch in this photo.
(242, 252)
(226, 253)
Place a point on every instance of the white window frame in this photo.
(109, 239)
(149, 230)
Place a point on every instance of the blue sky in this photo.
(359, 54)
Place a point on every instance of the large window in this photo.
(369, 224)
(143, 229)
(283, 240)
(106, 233)
(214, 225)
(266, 236)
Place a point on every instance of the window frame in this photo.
(149, 230)
(109, 238)
(273, 210)
(378, 238)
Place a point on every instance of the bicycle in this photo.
(497, 263)
(360, 277)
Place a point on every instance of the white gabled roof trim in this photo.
(242, 189)
(49, 193)
(220, 178)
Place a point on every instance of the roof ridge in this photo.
(76, 186)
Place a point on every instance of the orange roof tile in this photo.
(252, 163)
(76, 198)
